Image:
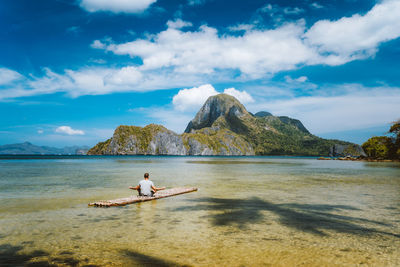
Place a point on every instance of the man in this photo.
(146, 187)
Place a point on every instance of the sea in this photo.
(248, 211)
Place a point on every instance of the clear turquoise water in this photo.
(249, 211)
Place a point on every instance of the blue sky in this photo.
(71, 71)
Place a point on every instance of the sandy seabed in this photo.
(247, 212)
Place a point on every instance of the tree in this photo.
(395, 129)
(379, 147)
(384, 147)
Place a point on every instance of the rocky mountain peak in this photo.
(224, 127)
(215, 107)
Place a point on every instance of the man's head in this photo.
(146, 175)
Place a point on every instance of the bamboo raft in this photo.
(135, 199)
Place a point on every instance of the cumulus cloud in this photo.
(358, 36)
(69, 131)
(242, 96)
(7, 76)
(204, 51)
(175, 58)
(257, 53)
(116, 6)
(194, 98)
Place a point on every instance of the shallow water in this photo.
(249, 211)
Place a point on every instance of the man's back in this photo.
(145, 187)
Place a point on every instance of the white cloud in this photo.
(90, 81)
(241, 27)
(178, 24)
(40, 131)
(193, 98)
(97, 44)
(292, 10)
(102, 80)
(255, 53)
(316, 5)
(175, 58)
(7, 76)
(116, 6)
(123, 76)
(242, 96)
(69, 131)
(300, 79)
(356, 37)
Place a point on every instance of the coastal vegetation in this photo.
(384, 147)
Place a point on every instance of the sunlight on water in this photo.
(253, 211)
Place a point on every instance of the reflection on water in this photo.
(278, 211)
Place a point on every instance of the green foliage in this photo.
(273, 136)
(205, 139)
(123, 134)
(383, 147)
(142, 135)
(217, 140)
(100, 149)
(395, 129)
(397, 153)
(379, 147)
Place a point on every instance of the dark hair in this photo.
(146, 175)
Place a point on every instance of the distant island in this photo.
(223, 126)
(27, 148)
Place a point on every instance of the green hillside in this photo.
(223, 126)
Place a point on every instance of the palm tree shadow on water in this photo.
(316, 219)
(11, 255)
